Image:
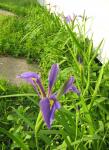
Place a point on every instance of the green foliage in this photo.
(28, 35)
(83, 121)
(12, 120)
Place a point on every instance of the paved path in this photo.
(6, 13)
(10, 67)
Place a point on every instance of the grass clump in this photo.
(14, 99)
(28, 36)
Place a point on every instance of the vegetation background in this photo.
(42, 38)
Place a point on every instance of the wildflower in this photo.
(48, 103)
(68, 19)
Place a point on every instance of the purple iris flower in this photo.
(48, 103)
(68, 19)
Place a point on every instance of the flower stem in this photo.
(38, 124)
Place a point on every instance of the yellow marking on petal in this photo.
(51, 103)
(34, 79)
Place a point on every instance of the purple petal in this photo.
(68, 85)
(42, 91)
(75, 90)
(68, 19)
(28, 75)
(45, 109)
(53, 96)
(52, 76)
(33, 79)
(55, 106)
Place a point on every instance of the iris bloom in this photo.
(68, 19)
(48, 103)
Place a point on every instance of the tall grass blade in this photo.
(14, 138)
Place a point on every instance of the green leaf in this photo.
(18, 95)
(74, 37)
(97, 86)
(25, 119)
(14, 138)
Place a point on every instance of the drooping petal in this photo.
(68, 85)
(45, 109)
(55, 106)
(28, 75)
(34, 79)
(75, 90)
(52, 76)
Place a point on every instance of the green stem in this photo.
(97, 86)
(38, 124)
(88, 116)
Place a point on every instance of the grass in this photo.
(29, 34)
(82, 123)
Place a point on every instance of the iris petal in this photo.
(45, 109)
(53, 96)
(34, 79)
(68, 85)
(68, 19)
(55, 106)
(52, 76)
(75, 90)
(28, 75)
